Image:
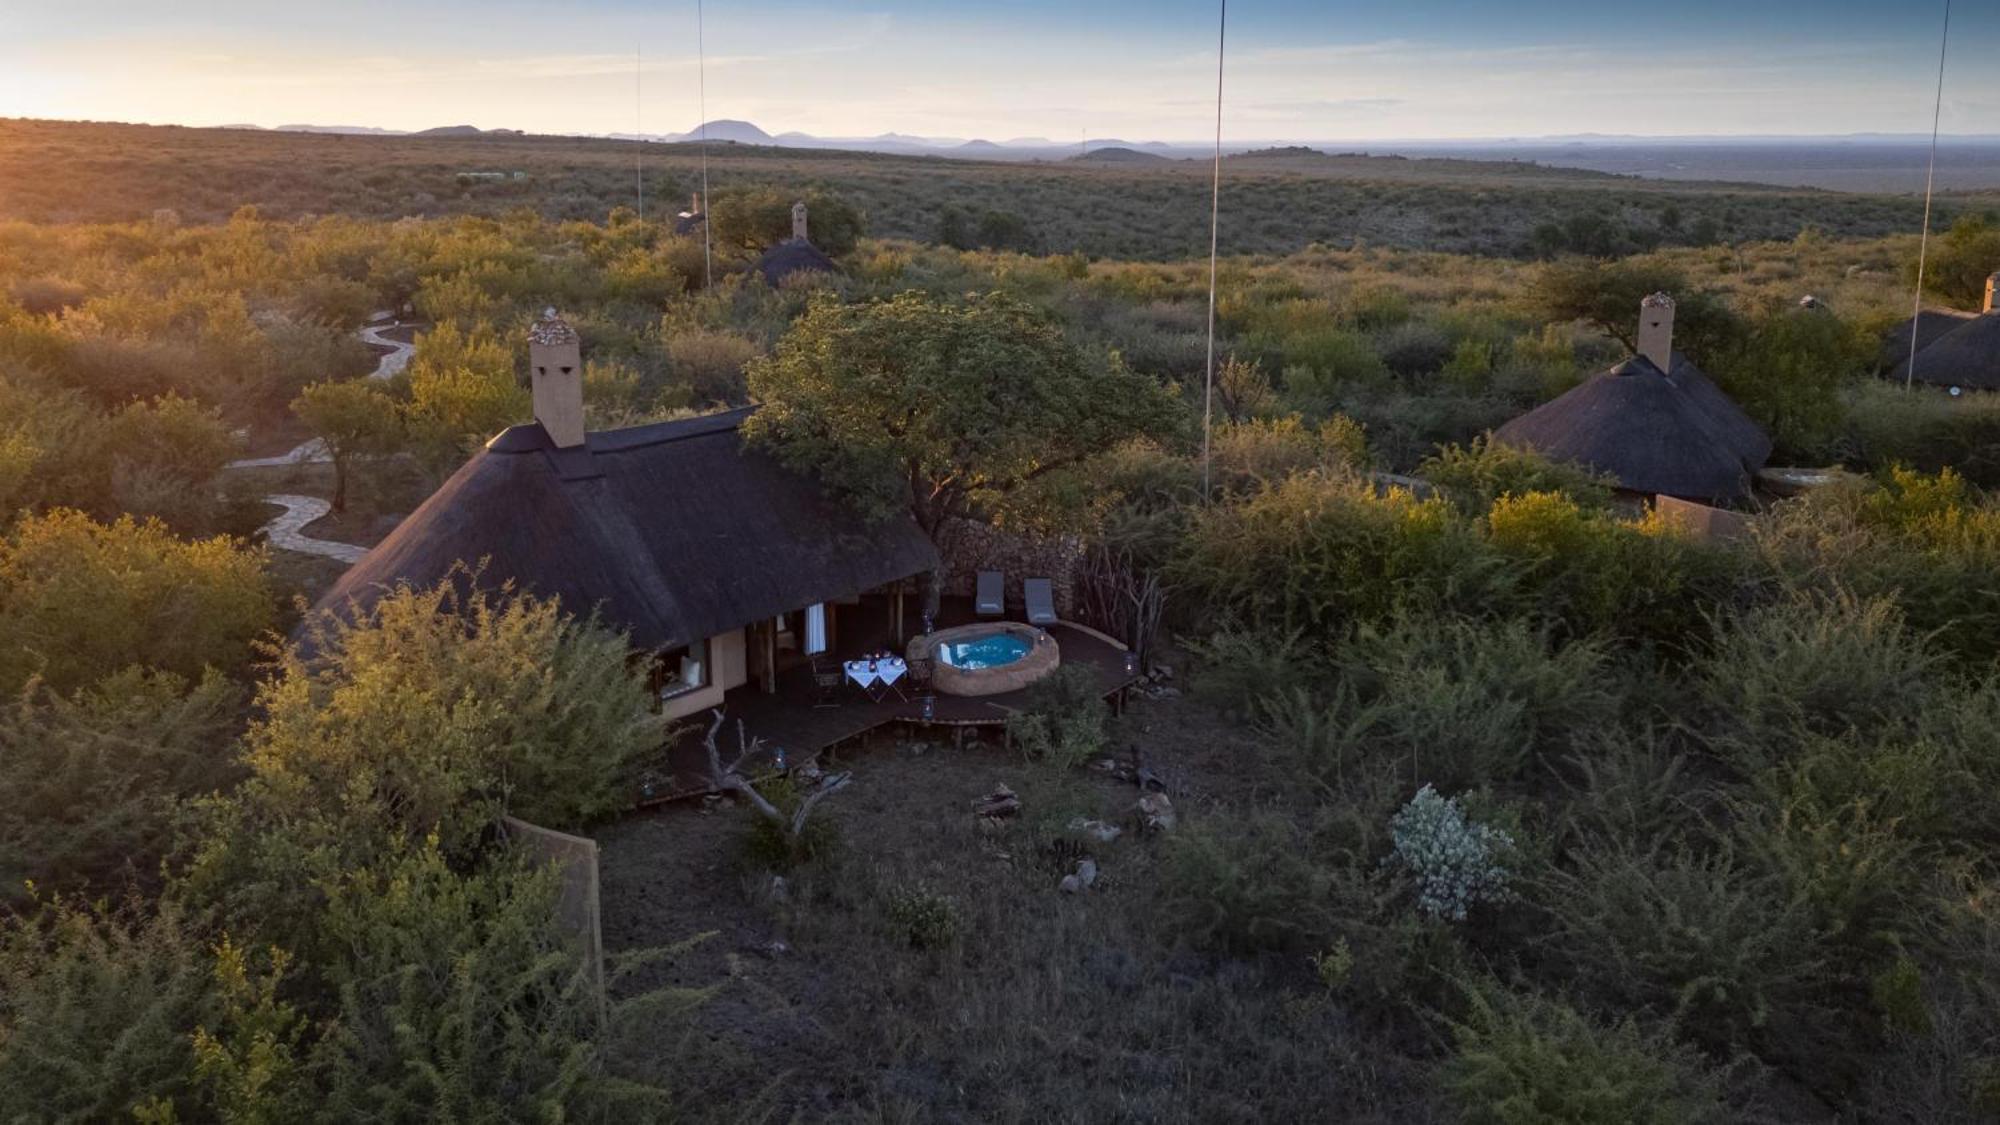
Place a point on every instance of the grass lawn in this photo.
(932, 971)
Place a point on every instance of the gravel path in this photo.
(314, 452)
(286, 531)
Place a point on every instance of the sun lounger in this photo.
(1039, 593)
(990, 600)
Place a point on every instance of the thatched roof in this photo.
(1675, 435)
(1968, 356)
(793, 255)
(674, 531)
(1932, 325)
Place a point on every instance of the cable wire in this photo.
(1214, 226)
(639, 122)
(1930, 181)
(701, 107)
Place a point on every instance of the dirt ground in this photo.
(829, 1004)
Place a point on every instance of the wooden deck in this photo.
(793, 728)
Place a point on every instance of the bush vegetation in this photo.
(1531, 806)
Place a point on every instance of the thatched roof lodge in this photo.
(795, 255)
(1655, 423)
(710, 555)
(1962, 351)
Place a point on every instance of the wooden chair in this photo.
(827, 680)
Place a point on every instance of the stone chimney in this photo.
(1992, 285)
(1656, 331)
(799, 222)
(694, 204)
(555, 369)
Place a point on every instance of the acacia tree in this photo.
(943, 409)
(1606, 295)
(1962, 260)
(755, 218)
(354, 419)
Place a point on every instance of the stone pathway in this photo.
(286, 531)
(314, 452)
(390, 365)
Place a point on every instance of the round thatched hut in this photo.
(1655, 423)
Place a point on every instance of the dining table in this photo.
(877, 675)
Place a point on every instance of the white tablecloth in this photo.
(866, 672)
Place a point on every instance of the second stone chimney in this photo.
(799, 222)
(1992, 284)
(1656, 331)
(555, 371)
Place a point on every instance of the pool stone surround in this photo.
(1043, 656)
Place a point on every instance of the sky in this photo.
(997, 69)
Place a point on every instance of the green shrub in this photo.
(1238, 669)
(1243, 886)
(1462, 702)
(1524, 1059)
(458, 998)
(1887, 425)
(1315, 553)
(1062, 720)
(922, 918)
(1646, 581)
(427, 716)
(1847, 863)
(1413, 348)
(1787, 374)
(1250, 454)
(1482, 471)
(95, 781)
(770, 846)
(1317, 363)
(98, 1010)
(80, 600)
(1708, 940)
(1811, 665)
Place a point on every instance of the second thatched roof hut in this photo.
(1655, 423)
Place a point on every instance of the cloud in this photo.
(1328, 105)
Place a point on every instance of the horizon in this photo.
(1023, 139)
(1548, 70)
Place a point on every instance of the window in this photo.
(677, 671)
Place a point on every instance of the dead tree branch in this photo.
(731, 779)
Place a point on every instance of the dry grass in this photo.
(1047, 1007)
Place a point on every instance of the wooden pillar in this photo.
(771, 658)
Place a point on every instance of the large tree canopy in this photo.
(943, 409)
(1606, 295)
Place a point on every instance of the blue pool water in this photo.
(990, 651)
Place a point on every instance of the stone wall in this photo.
(969, 547)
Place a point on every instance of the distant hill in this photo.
(1117, 154)
(1115, 205)
(336, 130)
(1860, 162)
(726, 129)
